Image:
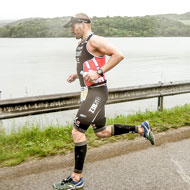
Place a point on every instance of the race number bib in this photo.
(84, 92)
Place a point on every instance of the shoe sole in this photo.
(151, 137)
(72, 188)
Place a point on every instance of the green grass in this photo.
(30, 141)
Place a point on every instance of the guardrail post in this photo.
(160, 103)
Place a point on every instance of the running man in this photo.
(91, 55)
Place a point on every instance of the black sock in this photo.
(118, 129)
(80, 153)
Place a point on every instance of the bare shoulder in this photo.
(100, 46)
(96, 41)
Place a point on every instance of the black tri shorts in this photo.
(92, 110)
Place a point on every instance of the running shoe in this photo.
(148, 134)
(68, 184)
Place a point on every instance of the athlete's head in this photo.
(80, 25)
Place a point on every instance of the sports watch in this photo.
(100, 72)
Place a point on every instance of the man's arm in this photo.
(100, 46)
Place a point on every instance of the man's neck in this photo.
(86, 35)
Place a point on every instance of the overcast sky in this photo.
(19, 9)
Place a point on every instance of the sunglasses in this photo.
(75, 20)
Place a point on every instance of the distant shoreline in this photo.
(166, 25)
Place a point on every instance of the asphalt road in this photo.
(164, 167)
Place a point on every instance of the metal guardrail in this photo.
(19, 107)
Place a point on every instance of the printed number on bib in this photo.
(84, 92)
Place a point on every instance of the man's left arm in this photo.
(99, 46)
(103, 47)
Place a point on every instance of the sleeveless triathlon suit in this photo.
(92, 109)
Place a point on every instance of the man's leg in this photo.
(103, 131)
(118, 129)
(75, 180)
(80, 153)
(144, 130)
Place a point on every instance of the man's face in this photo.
(77, 30)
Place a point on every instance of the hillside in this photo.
(184, 18)
(169, 25)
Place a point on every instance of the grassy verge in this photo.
(31, 142)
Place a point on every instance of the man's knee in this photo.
(74, 133)
(78, 136)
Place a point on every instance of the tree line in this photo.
(146, 26)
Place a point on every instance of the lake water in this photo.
(39, 66)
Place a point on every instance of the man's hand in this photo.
(72, 77)
(91, 76)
